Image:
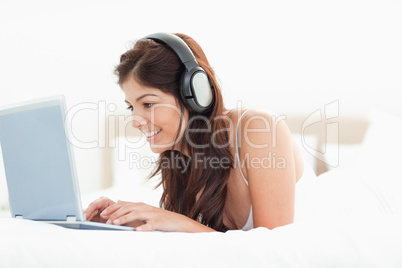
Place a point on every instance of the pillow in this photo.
(371, 185)
(343, 156)
(346, 192)
(381, 156)
(381, 150)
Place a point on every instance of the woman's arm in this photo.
(266, 148)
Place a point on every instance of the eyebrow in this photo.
(143, 96)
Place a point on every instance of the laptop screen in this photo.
(38, 161)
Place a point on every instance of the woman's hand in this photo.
(147, 218)
(92, 213)
(142, 216)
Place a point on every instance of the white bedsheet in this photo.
(346, 219)
(374, 241)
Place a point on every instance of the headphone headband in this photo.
(178, 45)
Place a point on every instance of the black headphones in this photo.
(195, 90)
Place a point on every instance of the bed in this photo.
(350, 217)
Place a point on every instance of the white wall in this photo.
(287, 56)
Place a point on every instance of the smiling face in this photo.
(156, 114)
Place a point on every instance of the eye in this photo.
(148, 105)
(130, 108)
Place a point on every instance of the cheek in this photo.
(166, 118)
(169, 120)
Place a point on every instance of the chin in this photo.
(157, 150)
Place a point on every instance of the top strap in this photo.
(237, 147)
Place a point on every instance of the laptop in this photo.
(39, 165)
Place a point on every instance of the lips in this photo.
(150, 134)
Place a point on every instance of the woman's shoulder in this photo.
(258, 126)
(255, 126)
(248, 115)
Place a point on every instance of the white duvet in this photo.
(345, 219)
(346, 242)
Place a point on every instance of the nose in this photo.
(138, 121)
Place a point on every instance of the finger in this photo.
(112, 208)
(133, 218)
(119, 204)
(90, 213)
(91, 208)
(97, 206)
(119, 210)
(88, 217)
(101, 203)
(94, 216)
(145, 227)
(85, 213)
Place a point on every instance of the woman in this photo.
(221, 169)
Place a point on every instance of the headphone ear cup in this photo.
(196, 90)
(202, 89)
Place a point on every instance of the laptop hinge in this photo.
(71, 219)
(19, 217)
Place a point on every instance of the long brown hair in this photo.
(156, 65)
